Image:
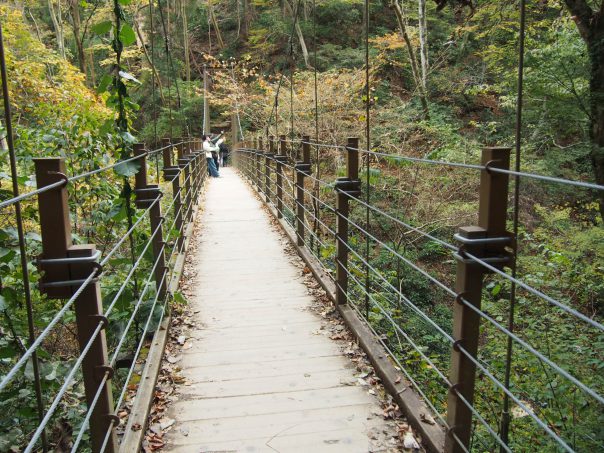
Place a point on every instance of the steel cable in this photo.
(431, 363)
(28, 353)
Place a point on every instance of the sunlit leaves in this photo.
(128, 168)
(127, 35)
(102, 27)
(104, 84)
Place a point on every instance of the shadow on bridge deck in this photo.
(261, 375)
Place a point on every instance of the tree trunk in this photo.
(238, 19)
(185, 41)
(91, 66)
(298, 32)
(215, 25)
(423, 41)
(412, 58)
(596, 86)
(141, 38)
(57, 27)
(74, 6)
(590, 24)
(246, 20)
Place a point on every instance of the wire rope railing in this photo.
(524, 174)
(277, 178)
(68, 179)
(88, 272)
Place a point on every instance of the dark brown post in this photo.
(185, 167)
(234, 131)
(204, 165)
(345, 186)
(166, 153)
(54, 224)
(179, 145)
(172, 174)
(254, 163)
(146, 195)
(259, 160)
(486, 241)
(57, 244)
(267, 168)
(302, 170)
(257, 163)
(192, 156)
(280, 158)
(200, 168)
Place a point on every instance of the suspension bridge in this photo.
(261, 375)
(262, 370)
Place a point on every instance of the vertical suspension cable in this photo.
(167, 50)
(314, 33)
(185, 45)
(277, 114)
(21, 236)
(153, 74)
(505, 415)
(291, 101)
(292, 64)
(275, 109)
(205, 100)
(317, 148)
(171, 65)
(368, 143)
(237, 106)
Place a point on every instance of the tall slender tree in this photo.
(590, 23)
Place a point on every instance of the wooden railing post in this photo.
(302, 170)
(65, 267)
(349, 185)
(253, 163)
(146, 196)
(259, 160)
(179, 147)
(260, 163)
(234, 131)
(172, 174)
(166, 153)
(486, 241)
(280, 158)
(184, 164)
(203, 170)
(253, 157)
(267, 168)
(198, 159)
(190, 154)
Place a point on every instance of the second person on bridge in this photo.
(209, 146)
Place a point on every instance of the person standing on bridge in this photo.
(209, 147)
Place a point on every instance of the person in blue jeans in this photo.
(209, 146)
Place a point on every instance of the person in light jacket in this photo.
(208, 148)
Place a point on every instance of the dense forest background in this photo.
(443, 84)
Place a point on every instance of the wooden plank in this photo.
(188, 408)
(319, 441)
(433, 436)
(255, 370)
(260, 371)
(141, 407)
(266, 426)
(276, 353)
(146, 389)
(303, 380)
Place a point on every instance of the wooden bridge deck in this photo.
(262, 378)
